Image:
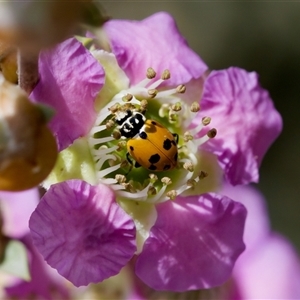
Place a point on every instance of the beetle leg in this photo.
(176, 137)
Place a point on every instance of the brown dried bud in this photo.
(28, 149)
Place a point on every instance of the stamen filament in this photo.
(107, 171)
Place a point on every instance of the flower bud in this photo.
(28, 149)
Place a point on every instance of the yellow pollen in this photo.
(187, 136)
(152, 93)
(166, 180)
(188, 166)
(206, 120)
(153, 178)
(120, 178)
(151, 190)
(165, 75)
(195, 107)
(121, 145)
(176, 106)
(127, 98)
(171, 194)
(181, 89)
(113, 109)
(116, 134)
(109, 124)
(150, 73)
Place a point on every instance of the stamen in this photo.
(150, 73)
(127, 98)
(188, 166)
(166, 180)
(176, 106)
(195, 107)
(107, 171)
(172, 194)
(206, 120)
(103, 159)
(103, 140)
(152, 93)
(103, 150)
(96, 129)
(165, 75)
(181, 89)
(141, 195)
(212, 133)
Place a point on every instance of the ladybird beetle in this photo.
(150, 144)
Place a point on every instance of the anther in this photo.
(113, 109)
(151, 191)
(195, 107)
(152, 93)
(181, 89)
(212, 133)
(120, 178)
(171, 194)
(166, 75)
(150, 73)
(172, 117)
(176, 106)
(121, 145)
(109, 124)
(203, 175)
(188, 166)
(206, 120)
(166, 180)
(127, 98)
(116, 134)
(143, 105)
(128, 187)
(187, 136)
(153, 178)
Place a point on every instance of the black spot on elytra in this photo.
(152, 167)
(154, 158)
(153, 123)
(143, 135)
(167, 167)
(131, 148)
(167, 144)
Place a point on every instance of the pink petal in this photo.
(153, 42)
(246, 120)
(70, 79)
(16, 208)
(257, 226)
(271, 272)
(45, 283)
(82, 232)
(194, 243)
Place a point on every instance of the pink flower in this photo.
(79, 226)
(270, 267)
(44, 283)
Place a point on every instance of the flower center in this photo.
(152, 104)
